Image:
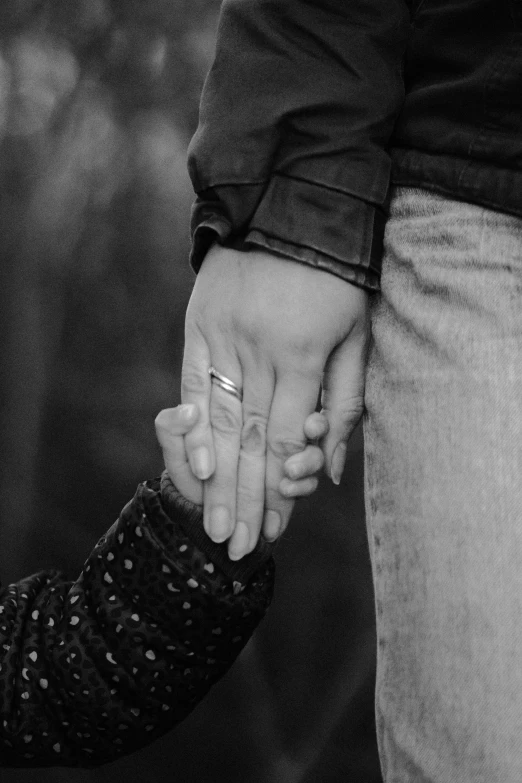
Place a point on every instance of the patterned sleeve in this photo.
(94, 669)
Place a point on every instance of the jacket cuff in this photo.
(189, 517)
(302, 220)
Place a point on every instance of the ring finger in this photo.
(219, 491)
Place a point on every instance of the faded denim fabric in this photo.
(443, 465)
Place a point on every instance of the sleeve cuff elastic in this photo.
(189, 516)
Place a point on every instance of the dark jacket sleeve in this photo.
(94, 669)
(296, 113)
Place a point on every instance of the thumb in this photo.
(343, 399)
(172, 424)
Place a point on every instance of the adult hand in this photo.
(272, 326)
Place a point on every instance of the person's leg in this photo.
(443, 464)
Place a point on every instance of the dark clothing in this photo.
(94, 669)
(309, 101)
(460, 129)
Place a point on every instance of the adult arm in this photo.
(290, 153)
(291, 172)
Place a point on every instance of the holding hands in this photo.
(277, 332)
(173, 424)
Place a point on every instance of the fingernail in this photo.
(219, 524)
(200, 463)
(271, 525)
(338, 460)
(239, 544)
(186, 412)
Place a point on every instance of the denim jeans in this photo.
(443, 481)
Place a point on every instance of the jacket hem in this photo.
(313, 257)
(465, 179)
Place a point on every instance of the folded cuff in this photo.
(298, 219)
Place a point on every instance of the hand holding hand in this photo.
(273, 327)
(172, 424)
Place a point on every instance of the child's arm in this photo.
(94, 669)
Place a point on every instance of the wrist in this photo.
(189, 516)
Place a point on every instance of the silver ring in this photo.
(225, 383)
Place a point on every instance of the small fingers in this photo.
(296, 489)
(316, 426)
(299, 472)
(171, 425)
(304, 464)
(294, 400)
(343, 400)
(300, 469)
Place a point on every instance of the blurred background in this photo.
(98, 100)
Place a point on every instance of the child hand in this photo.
(301, 469)
(172, 424)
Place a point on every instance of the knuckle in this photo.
(308, 356)
(346, 413)
(193, 381)
(246, 497)
(253, 435)
(240, 323)
(307, 363)
(351, 411)
(224, 420)
(306, 350)
(282, 446)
